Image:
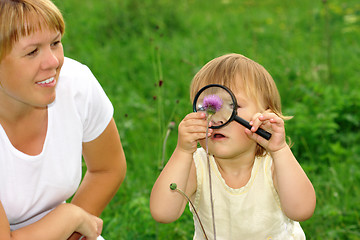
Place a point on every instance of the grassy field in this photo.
(311, 48)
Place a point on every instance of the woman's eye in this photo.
(32, 52)
(55, 43)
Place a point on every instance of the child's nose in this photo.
(217, 123)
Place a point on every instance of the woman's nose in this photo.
(50, 60)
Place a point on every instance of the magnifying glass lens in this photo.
(218, 102)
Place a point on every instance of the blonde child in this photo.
(259, 189)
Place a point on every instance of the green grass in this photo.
(311, 48)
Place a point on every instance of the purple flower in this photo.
(212, 104)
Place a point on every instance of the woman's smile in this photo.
(50, 82)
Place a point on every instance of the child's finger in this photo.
(196, 124)
(272, 118)
(195, 115)
(265, 120)
(256, 122)
(255, 137)
(194, 119)
(197, 129)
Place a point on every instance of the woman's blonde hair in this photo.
(236, 71)
(20, 18)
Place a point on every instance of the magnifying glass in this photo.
(221, 102)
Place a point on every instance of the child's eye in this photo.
(201, 109)
(236, 106)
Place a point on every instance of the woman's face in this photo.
(29, 73)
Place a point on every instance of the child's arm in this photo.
(167, 205)
(297, 194)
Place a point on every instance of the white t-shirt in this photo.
(30, 186)
(250, 212)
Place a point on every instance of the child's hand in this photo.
(191, 129)
(272, 123)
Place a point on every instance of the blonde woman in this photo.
(53, 112)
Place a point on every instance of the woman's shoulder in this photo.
(73, 68)
(76, 76)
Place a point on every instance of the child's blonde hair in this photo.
(20, 18)
(236, 71)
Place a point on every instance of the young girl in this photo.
(259, 189)
(53, 111)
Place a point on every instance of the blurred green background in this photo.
(310, 47)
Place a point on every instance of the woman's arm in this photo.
(106, 165)
(106, 169)
(60, 223)
(167, 205)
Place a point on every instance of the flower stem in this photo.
(174, 187)
(171, 126)
(209, 171)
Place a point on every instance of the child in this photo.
(259, 189)
(53, 112)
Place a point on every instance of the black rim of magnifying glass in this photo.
(261, 132)
(233, 114)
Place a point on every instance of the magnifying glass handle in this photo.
(261, 132)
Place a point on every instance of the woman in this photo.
(53, 112)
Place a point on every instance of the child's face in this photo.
(230, 141)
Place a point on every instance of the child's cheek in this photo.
(202, 143)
